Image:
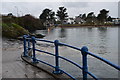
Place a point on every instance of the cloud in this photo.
(60, 0)
(73, 8)
(75, 4)
(119, 9)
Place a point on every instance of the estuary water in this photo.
(102, 41)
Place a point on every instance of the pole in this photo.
(57, 71)
(84, 61)
(34, 55)
(25, 49)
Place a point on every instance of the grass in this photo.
(12, 30)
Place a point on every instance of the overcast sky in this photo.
(74, 8)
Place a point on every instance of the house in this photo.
(116, 21)
(79, 20)
(71, 21)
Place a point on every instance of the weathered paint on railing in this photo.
(84, 51)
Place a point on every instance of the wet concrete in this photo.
(14, 67)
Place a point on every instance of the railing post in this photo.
(28, 44)
(34, 55)
(25, 49)
(57, 71)
(84, 61)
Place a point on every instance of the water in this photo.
(103, 41)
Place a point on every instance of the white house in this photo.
(116, 20)
(71, 21)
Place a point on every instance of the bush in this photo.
(13, 30)
(30, 23)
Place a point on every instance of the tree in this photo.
(62, 14)
(80, 15)
(102, 16)
(109, 19)
(84, 16)
(30, 23)
(10, 14)
(47, 16)
(51, 16)
(91, 18)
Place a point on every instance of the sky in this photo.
(74, 7)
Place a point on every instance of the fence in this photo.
(84, 50)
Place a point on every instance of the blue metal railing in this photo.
(84, 50)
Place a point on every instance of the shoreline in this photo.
(77, 25)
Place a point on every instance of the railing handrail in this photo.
(84, 51)
(104, 60)
(100, 58)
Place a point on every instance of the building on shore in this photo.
(79, 20)
(116, 21)
(71, 21)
